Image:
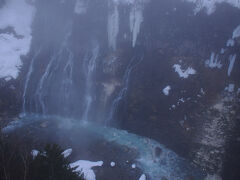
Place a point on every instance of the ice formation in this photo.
(135, 19)
(113, 27)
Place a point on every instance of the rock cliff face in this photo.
(168, 70)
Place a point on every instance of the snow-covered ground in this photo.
(16, 17)
(85, 167)
(67, 152)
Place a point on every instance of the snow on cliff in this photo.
(184, 73)
(166, 90)
(210, 5)
(15, 22)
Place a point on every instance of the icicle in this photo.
(113, 27)
(135, 19)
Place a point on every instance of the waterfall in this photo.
(113, 27)
(122, 93)
(135, 19)
(52, 67)
(39, 91)
(28, 77)
(89, 69)
(68, 72)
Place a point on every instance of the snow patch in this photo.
(143, 177)
(133, 166)
(166, 90)
(112, 164)
(181, 100)
(230, 43)
(236, 32)
(210, 5)
(202, 91)
(184, 73)
(232, 59)
(222, 51)
(213, 62)
(34, 153)
(85, 167)
(230, 88)
(67, 152)
(17, 15)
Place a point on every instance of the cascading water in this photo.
(56, 62)
(28, 77)
(90, 64)
(122, 93)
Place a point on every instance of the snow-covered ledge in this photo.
(16, 19)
